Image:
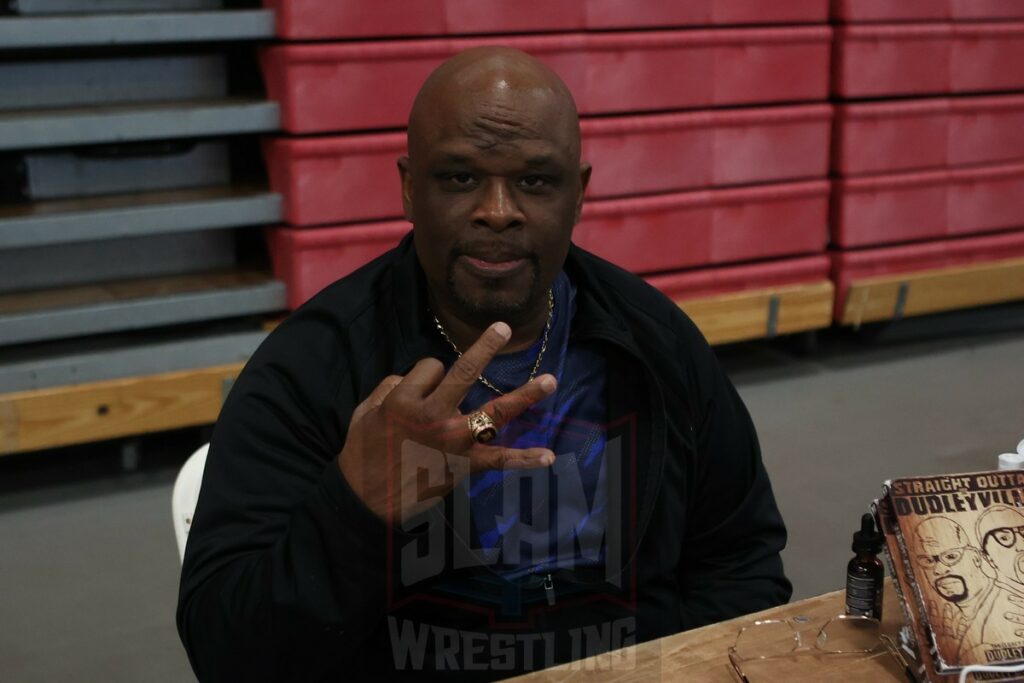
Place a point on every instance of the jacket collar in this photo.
(412, 321)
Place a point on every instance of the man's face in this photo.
(493, 186)
(951, 563)
(953, 574)
(1005, 547)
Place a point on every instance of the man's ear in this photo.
(405, 175)
(584, 181)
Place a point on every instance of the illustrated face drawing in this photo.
(950, 560)
(1001, 533)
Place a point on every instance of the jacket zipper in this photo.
(549, 589)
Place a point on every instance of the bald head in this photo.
(493, 95)
(493, 185)
(939, 533)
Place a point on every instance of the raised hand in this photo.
(1017, 615)
(408, 444)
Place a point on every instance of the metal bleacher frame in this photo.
(114, 359)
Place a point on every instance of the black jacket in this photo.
(287, 576)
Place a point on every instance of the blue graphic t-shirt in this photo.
(547, 518)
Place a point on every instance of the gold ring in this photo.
(482, 427)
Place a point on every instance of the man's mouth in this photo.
(951, 587)
(496, 264)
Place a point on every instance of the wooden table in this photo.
(701, 654)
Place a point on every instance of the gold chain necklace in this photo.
(540, 354)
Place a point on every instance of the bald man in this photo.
(487, 451)
(1000, 532)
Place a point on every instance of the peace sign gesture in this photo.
(407, 423)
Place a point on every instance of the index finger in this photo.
(470, 365)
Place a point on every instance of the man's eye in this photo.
(534, 182)
(461, 180)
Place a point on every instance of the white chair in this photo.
(186, 495)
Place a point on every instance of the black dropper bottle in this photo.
(865, 573)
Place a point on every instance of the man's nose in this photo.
(497, 209)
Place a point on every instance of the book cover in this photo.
(963, 540)
(898, 568)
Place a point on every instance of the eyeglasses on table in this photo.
(783, 638)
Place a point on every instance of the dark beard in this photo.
(960, 597)
(487, 307)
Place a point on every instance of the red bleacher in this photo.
(336, 179)
(925, 10)
(707, 227)
(879, 60)
(927, 173)
(309, 260)
(851, 266)
(926, 205)
(335, 19)
(710, 148)
(709, 136)
(703, 282)
(345, 178)
(701, 199)
(885, 137)
(337, 87)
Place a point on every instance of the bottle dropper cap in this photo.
(1011, 461)
(867, 540)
